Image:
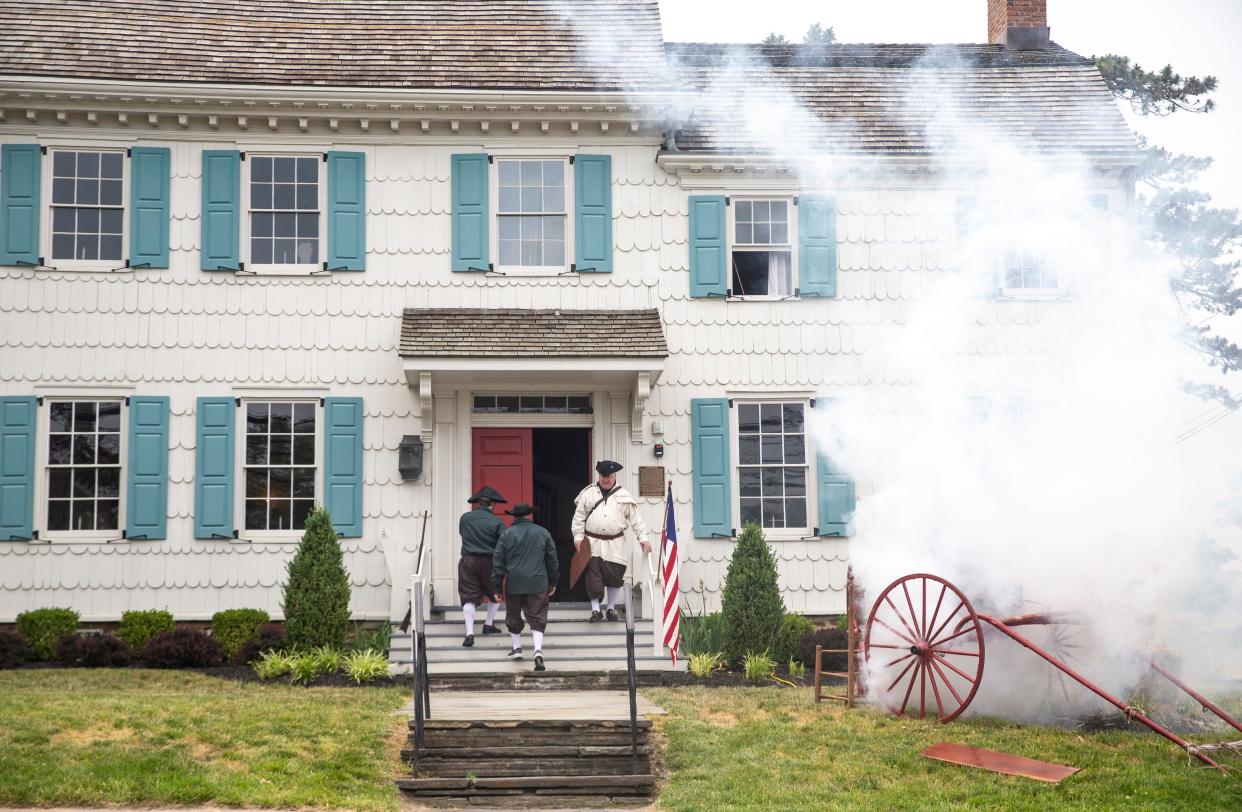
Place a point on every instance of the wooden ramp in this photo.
(1005, 763)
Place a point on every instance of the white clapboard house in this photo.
(257, 255)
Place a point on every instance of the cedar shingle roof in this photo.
(894, 99)
(496, 44)
(512, 333)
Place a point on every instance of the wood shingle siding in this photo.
(474, 332)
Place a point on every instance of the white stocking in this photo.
(538, 639)
(467, 609)
(594, 604)
(492, 606)
(517, 639)
(614, 592)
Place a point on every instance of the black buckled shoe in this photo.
(611, 614)
(516, 654)
(487, 629)
(597, 616)
(469, 641)
(539, 661)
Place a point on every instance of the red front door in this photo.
(502, 460)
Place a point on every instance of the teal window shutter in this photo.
(593, 213)
(150, 177)
(817, 245)
(221, 237)
(347, 211)
(213, 469)
(470, 213)
(17, 467)
(342, 464)
(146, 509)
(710, 442)
(836, 498)
(20, 165)
(709, 267)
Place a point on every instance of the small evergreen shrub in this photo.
(701, 634)
(271, 638)
(758, 667)
(13, 649)
(138, 627)
(182, 648)
(751, 606)
(316, 596)
(830, 638)
(234, 628)
(793, 628)
(273, 664)
(365, 665)
(704, 663)
(93, 651)
(43, 627)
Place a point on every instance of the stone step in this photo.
(554, 784)
(518, 725)
(556, 611)
(496, 768)
(502, 642)
(533, 752)
(565, 625)
(442, 741)
(499, 665)
(590, 680)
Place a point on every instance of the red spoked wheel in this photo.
(924, 648)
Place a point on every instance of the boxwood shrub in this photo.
(793, 628)
(139, 626)
(43, 627)
(93, 651)
(234, 628)
(182, 648)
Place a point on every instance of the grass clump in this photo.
(139, 626)
(365, 666)
(235, 628)
(273, 665)
(43, 627)
(316, 596)
(702, 664)
(758, 667)
(797, 670)
(751, 605)
(702, 633)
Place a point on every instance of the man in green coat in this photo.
(525, 569)
(480, 529)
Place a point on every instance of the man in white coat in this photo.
(604, 512)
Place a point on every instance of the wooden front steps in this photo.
(530, 764)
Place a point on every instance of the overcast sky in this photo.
(1196, 36)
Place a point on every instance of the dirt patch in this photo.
(85, 737)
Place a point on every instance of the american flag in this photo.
(668, 560)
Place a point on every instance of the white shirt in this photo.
(617, 514)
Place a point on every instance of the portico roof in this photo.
(514, 333)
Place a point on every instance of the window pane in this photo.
(748, 482)
(261, 224)
(58, 483)
(59, 451)
(62, 191)
(748, 449)
(83, 482)
(795, 448)
(510, 251)
(106, 511)
(88, 164)
(284, 252)
(795, 513)
(61, 416)
(256, 450)
(510, 198)
(760, 209)
(763, 234)
(793, 421)
(63, 164)
(110, 165)
(110, 247)
(780, 234)
(282, 418)
(308, 197)
(88, 221)
(110, 192)
(84, 449)
(301, 509)
(532, 228)
(304, 449)
(256, 483)
(750, 510)
(773, 513)
(772, 450)
(509, 175)
(58, 515)
(506, 403)
(554, 198)
(308, 251)
(283, 196)
(303, 417)
(510, 228)
(260, 196)
(62, 246)
(86, 248)
(109, 449)
(308, 225)
(554, 253)
(279, 483)
(771, 416)
(83, 514)
(283, 170)
(256, 417)
(531, 404)
(554, 228)
(745, 234)
(88, 191)
(795, 482)
(261, 251)
(773, 482)
(554, 173)
(748, 417)
(256, 514)
(532, 199)
(63, 219)
(532, 173)
(304, 482)
(779, 211)
(109, 416)
(110, 221)
(580, 405)
(281, 449)
(532, 253)
(285, 224)
(308, 170)
(750, 273)
(743, 214)
(554, 405)
(278, 517)
(261, 169)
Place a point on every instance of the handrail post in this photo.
(416, 666)
(633, 686)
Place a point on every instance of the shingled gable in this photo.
(465, 44)
(511, 333)
(898, 100)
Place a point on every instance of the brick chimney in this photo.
(1019, 24)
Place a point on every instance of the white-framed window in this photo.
(761, 247)
(279, 465)
(82, 456)
(284, 199)
(86, 212)
(533, 227)
(532, 404)
(773, 474)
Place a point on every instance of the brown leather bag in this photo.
(582, 557)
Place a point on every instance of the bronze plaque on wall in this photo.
(651, 480)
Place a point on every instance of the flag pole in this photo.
(663, 526)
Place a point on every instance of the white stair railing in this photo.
(655, 590)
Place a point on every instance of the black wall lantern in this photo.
(410, 460)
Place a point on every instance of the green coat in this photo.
(527, 554)
(480, 530)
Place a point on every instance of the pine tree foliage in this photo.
(752, 608)
(316, 598)
(818, 35)
(775, 39)
(1159, 93)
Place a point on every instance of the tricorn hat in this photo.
(488, 493)
(606, 467)
(521, 509)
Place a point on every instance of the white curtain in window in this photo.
(779, 276)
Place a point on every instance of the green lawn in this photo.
(771, 749)
(117, 737)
